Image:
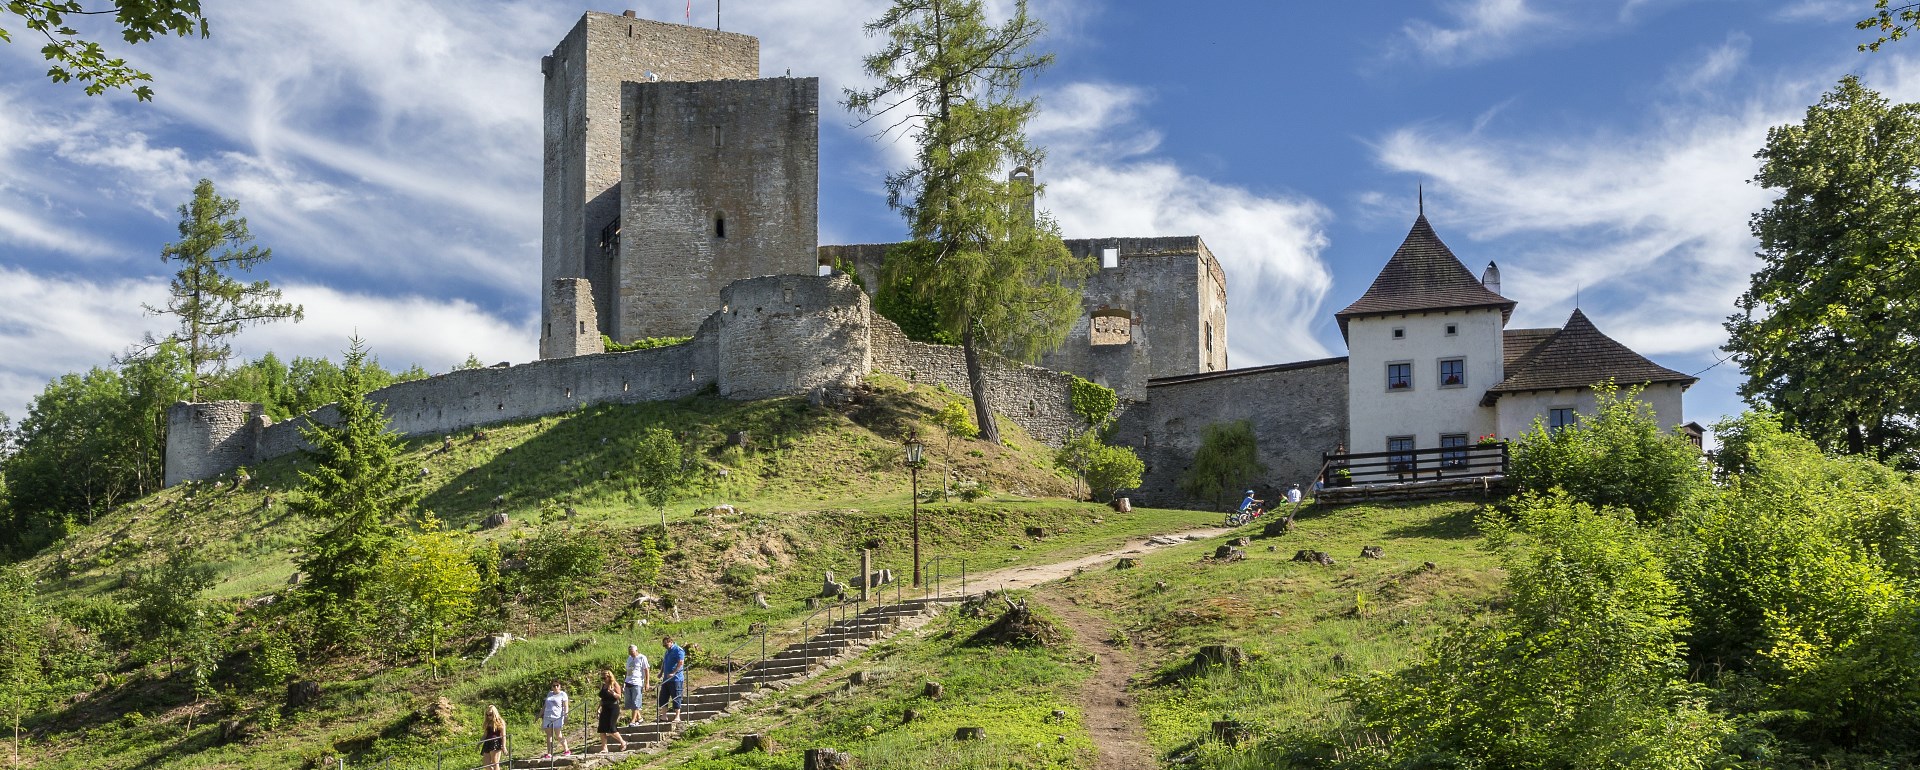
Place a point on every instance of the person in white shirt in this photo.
(553, 720)
(637, 666)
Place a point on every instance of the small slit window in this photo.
(719, 224)
(1399, 334)
(1453, 329)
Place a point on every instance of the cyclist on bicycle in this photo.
(1251, 506)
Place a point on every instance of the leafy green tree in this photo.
(658, 467)
(918, 318)
(1585, 669)
(89, 442)
(1617, 457)
(1893, 22)
(954, 421)
(1825, 333)
(209, 302)
(169, 604)
(22, 682)
(472, 362)
(561, 562)
(292, 388)
(1228, 460)
(360, 483)
(426, 586)
(651, 558)
(71, 57)
(1801, 579)
(996, 272)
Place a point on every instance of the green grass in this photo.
(1304, 626)
(812, 487)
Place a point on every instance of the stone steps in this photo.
(791, 663)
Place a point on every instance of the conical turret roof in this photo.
(1423, 275)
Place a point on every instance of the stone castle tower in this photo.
(670, 170)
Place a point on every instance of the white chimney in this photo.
(1491, 278)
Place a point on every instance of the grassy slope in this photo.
(1305, 626)
(813, 485)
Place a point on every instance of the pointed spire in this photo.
(1420, 192)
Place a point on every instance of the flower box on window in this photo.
(1452, 379)
(1399, 385)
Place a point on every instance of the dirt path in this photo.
(1119, 740)
(1030, 576)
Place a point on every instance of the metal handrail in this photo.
(939, 574)
(749, 640)
(506, 754)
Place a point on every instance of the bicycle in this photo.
(1241, 518)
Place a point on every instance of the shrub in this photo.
(1093, 402)
(1228, 459)
(1617, 457)
(1584, 670)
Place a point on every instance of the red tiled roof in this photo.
(1423, 275)
(1576, 357)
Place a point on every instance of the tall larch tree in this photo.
(210, 303)
(993, 267)
(1826, 330)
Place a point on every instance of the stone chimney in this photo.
(1491, 278)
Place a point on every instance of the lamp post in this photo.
(914, 448)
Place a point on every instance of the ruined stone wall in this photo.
(572, 329)
(1298, 411)
(784, 334)
(1038, 400)
(721, 184)
(581, 168)
(779, 336)
(207, 439)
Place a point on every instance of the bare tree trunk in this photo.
(977, 382)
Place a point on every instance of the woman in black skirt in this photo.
(610, 712)
(495, 739)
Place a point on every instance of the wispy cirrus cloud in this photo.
(1474, 30)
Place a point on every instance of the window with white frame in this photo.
(1453, 372)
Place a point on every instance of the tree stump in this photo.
(1036, 532)
(813, 603)
(495, 520)
(826, 759)
(1121, 504)
(1242, 542)
(1373, 552)
(1313, 557)
(299, 694)
(933, 690)
(1126, 562)
(1059, 715)
(1230, 731)
(907, 717)
(760, 599)
(757, 742)
(969, 733)
(859, 678)
(1219, 655)
(1277, 528)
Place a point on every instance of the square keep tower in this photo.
(581, 187)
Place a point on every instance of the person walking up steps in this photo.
(610, 712)
(494, 739)
(636, 689)
(673, 678)
(553, 720)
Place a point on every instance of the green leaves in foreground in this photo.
(72, 58)
(1584, 670)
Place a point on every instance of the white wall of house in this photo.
(1427, 410)
(1518, 410)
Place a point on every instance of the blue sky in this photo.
(389, 153)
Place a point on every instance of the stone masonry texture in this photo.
(581, 168)
(721, 184)
(571, 330)
(1298, 411)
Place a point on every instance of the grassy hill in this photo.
(809, 486)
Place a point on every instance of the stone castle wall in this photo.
(1298, 411)
(775, 336)
(721, 183)
(1036, 399)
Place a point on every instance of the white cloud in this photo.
(54, 324)
(1102, 180)
(1477, 30)
(1714, 67)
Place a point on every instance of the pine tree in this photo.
(361, 483)
(994, 270)
(210, 303)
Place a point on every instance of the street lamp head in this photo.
(914, 448)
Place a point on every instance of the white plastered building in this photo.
(1432, 363)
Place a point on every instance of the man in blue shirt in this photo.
(673, 679)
